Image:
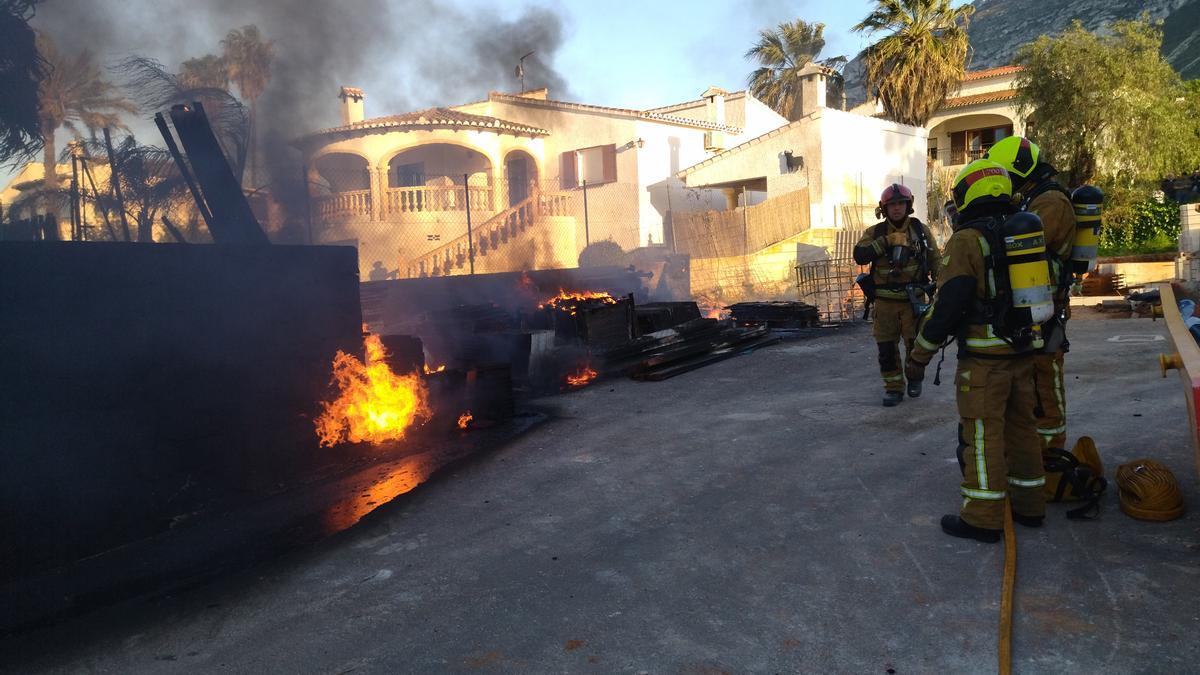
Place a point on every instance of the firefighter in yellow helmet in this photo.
(992, 294)
(903, 259)
(1033, 177)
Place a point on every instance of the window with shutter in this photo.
(608, 156)
(958, 147)
(596, 165)
(569, 174)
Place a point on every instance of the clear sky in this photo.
(647, 54)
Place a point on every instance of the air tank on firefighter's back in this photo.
(1089, 204)
(1028, 270)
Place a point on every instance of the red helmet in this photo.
(895, 193)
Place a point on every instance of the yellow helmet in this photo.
(983, 180)
(1017, 154)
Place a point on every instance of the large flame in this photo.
(569, 301)
(465, 419)
(374, 404)
(582, 377)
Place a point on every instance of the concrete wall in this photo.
(848, 159)
(862, 155)
(145, 385)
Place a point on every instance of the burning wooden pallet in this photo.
(775, 314)
(691, 345)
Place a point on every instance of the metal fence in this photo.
(829, 283)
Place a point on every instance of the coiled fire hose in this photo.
(1148, 491)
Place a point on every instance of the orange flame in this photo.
(568, 301)
(465, 419)
(713, 313)
(526, 282)
(585, 375)
(430, 371)
(374, 404)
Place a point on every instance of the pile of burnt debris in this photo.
(549, 342)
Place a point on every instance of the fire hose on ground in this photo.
(1148, 491)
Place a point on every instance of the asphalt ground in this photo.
(760, 515)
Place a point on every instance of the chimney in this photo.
(812, 89)
(352, 105)
(714, 105)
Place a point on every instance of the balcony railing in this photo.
(422, 198)
(354, 203)
(968, 155)
(406, 200)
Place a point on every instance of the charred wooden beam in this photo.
(221, 192)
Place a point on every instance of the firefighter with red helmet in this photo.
(903, 259)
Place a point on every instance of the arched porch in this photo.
(521, 176)
(339, 184)
(959, 140)
(438, 177)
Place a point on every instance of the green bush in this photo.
(1145, 226)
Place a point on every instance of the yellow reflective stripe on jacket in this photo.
(926, 344)
(1052, 432)
(1027, 482)
(986, 342)
(984, 494)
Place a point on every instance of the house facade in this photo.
(535, 180)
(982, 112)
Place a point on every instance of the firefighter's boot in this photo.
(892, 398)
(957, 527)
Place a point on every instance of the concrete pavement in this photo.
(760, 515)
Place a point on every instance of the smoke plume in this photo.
(405, 54)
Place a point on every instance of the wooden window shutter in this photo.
(958, 147)
(570, 176)
(608, 158)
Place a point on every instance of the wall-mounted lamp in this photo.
(638, 143)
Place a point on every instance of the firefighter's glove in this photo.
(897, 239)
(913, 371)
(914, 366)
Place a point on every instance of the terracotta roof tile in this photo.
(436, 117)
(976, 99)
(972, 75)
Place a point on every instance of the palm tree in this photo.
(20, 125)
(782, 53)
(920, 60)
(248, 59)
(73, 92)
(205, 72)
(157, 89)
(151, 184)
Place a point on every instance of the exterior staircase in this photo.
(491, 236)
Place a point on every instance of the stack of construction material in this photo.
(683, 348)
(780, 315)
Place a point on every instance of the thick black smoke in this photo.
(406, 54)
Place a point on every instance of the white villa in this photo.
(400, 185)
(722, 178)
